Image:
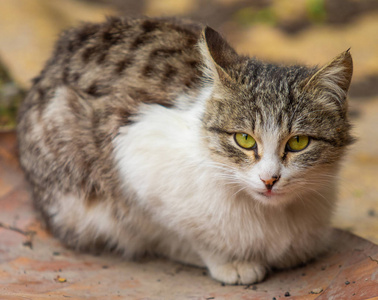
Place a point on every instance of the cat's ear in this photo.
(331, 83)
(217, 54)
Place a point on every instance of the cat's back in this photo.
(95, 81)
(150, 60)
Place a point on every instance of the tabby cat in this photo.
(153, 136)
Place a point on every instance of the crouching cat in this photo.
(154, 136)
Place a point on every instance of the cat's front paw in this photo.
(238, 272)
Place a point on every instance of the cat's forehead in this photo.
(267, 79)
(272, 94)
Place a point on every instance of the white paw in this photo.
(250, 272)
(226, 273)
(238, 272)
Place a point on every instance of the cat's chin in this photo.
(271, 197)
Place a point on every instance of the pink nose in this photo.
(270, 182)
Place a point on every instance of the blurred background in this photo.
(308, 32)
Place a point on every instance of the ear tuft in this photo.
(332, 81)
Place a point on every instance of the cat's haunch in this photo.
(154, 136)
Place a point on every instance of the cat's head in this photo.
(278, 132)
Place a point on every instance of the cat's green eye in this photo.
(297, 143)
(245, 140)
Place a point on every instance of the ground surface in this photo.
(285, 31)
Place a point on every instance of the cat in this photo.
(153, 136)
